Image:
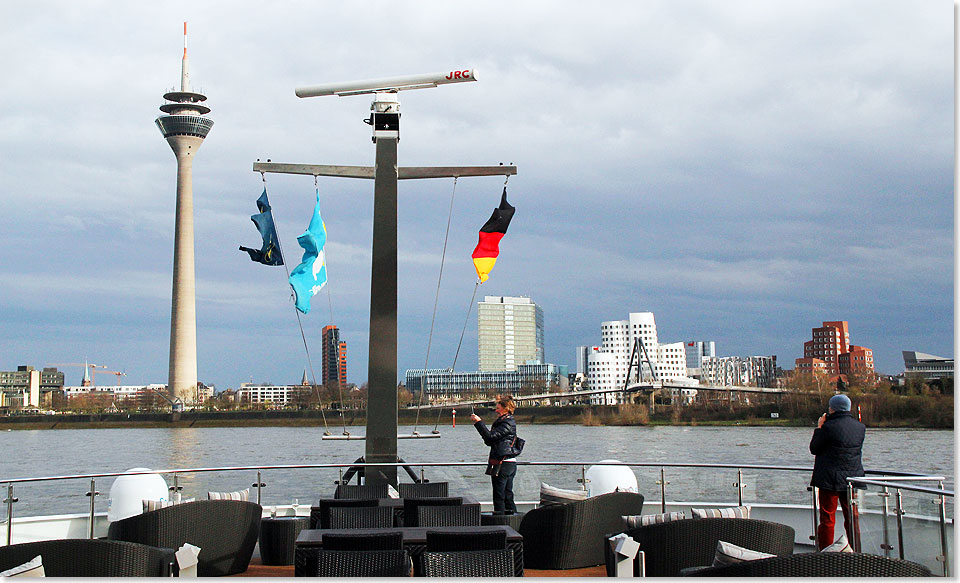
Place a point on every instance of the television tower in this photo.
(184, 128)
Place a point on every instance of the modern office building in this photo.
(278, 396)
(830, 345)
(743, 371)
(696, 351)
(447, 385)
(29, 387)
(184, 128)
(607, 364)
(334, 357)
(509, 333)
(927, 365)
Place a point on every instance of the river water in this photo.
(65, 452)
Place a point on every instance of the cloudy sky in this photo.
(744, 170)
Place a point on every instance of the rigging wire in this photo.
(303, 336)
(436, 301)
(457, 354)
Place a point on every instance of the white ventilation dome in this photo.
(128, 493)
(604, 479)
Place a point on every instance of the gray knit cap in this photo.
(840, 402)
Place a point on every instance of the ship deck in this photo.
(258, 569)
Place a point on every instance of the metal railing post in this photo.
(739, 485)
(93, 499)
(259, 485)
(883, 494)
(662, 482)
(900, 523)
(943, 530)
(816, 513)
(583, 477)
(854, 517)
(175, 489)
(10, 500)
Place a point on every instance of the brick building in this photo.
(829, 350)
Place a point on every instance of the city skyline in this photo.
(743, 170)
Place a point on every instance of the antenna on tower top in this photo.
(184, 71)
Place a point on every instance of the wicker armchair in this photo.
(388, 540)
(423, 489)
(320, 514)
(820, 565)
(361, 517)
(225, 530)
(448, 515)
(410, 506)
(80, 557)
(362, 564)
(488, 563)
(571, 536)
(679, 544)
(361, 491)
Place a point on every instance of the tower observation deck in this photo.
(184, 127)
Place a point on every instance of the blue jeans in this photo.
(503, 489)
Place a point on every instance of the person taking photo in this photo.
(502, 464)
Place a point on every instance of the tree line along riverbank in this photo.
(876, 410)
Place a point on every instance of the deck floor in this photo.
(258, 569)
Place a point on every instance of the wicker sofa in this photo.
(571, 535)
(225, 530)
(81, 557)
(820, 565)
(672, 546)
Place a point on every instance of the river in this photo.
(64, 452)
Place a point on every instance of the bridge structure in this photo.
(647, 390)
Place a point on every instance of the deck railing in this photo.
(887, 480)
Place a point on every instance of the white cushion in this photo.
(729, 554)
(734, 512)
(550, 495)
(647, 519)
(151, 505)
(32, 568)
(242, 495)
(841, 545)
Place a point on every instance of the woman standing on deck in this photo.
(502, 465)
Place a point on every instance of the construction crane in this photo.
(93, 370)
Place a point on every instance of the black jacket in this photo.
(499, 437)
(838, 446)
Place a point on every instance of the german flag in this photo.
(488, 247)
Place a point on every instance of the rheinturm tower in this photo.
(184, 127)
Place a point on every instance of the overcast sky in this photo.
(744, 170)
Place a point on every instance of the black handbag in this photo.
(493, 467)
(517, 445)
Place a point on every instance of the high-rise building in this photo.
(184, 128)
(334, 357)
(696, 351)
(509, 333)
(830, 350)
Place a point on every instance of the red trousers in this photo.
(828, 500)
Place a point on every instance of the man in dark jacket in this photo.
(838, 444)
(500, 437)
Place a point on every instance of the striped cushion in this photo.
(242, 495)
(150, 505)
(735, 512)
(729, 554)
(841, 545)
(646, 519)
(550, 495)
(32, 568)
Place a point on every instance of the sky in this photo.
(745, 170)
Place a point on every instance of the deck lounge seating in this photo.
(448, 515)
(410, 506)
(820, 565)
(361, 491)
(225, 530)
(81, 557)
(361, 517)
(489, 563)
(672, 546)
(320, 514)
(388, 540)
(571, 535)
(440, 540)
(423, 489)
(365, 563)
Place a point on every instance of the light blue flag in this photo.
(310, 276)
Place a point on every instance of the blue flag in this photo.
(269, 253)
(310, 276)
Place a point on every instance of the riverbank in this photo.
(333, 421)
